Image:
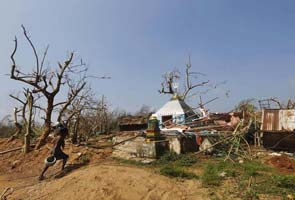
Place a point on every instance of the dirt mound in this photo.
(18, 165)
(282, 163)
(100, 178)
(112, 181)
(5, 144)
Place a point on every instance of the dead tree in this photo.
(71, 114)
(28, 134)
(91, 116)
(22, 109)
(74, 90)
(18, 126)
(102, 114)
(45, 81)
(171, 78)
(189, 86)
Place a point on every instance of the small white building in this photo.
(175, 111)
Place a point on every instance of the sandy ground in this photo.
(110, 181)
(102, 178)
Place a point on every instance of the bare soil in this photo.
(101, 178)
(282, 163)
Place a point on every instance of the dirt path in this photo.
(109, 181)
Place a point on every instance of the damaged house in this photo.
(174, 111)
(278, 127)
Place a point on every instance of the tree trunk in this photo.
(47, 124)
(18, 126)
(29, 124)
(75, 131)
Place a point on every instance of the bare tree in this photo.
(24, 103)
(74, 112)
(18, 126)
(89, 116)
(47, 82)
(171, 78)
(74, 90)
(189, 86)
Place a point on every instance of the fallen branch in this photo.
(15, 149)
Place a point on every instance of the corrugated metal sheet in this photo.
(278, 120)
(287, 120)
(270, 120)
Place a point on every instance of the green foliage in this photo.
(176, 171)
(185, 160)
(253, 168)
(211, 176)
(174, 165)
(212, 172)
(131, 162)
(251, 194)
(282, 181)
(168, 157)
(230, 169)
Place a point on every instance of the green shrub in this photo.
(282, 181)
(185, 160)
(253, 168)
(175, 171)
(130, 162)
(250, 194)
(169, 157)
(211, 176)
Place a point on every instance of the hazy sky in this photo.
(251, 44)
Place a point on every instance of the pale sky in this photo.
(250, 44)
